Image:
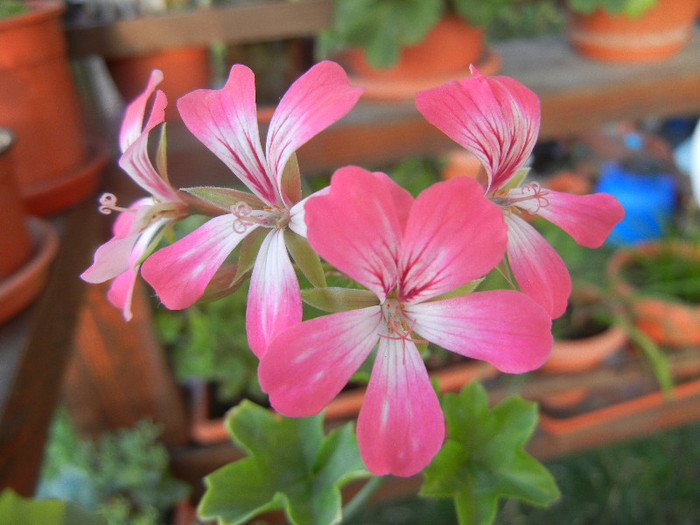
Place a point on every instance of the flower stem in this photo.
(359, 500)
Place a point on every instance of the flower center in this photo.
(274, 216)
(398, 323)
(533, 196)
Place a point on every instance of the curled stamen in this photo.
(533, 191)
(244, 217)
(108, 204)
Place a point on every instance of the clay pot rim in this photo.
(17, 290)
(574, 355)
(39, 10)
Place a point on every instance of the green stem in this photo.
(357, 502)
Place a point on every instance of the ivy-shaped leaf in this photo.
(483, 458)
(291, 465)
(25, 511)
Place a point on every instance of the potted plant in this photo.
(124, 476)
(399, 47)
(185, 67)
(55, 166)
(630, 30)
(660, 283)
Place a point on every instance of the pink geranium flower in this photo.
(137, 227)
(498, 119)
(225, 121)
(408, 253)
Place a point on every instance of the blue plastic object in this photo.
(649, 201)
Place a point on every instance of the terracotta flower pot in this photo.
(445, 54)
(15, 241)
(668, 322)
(655, 35)
(184, 69)
(38, 101)
(27, 245)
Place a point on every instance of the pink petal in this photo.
(132, 125)
(111, 259)
(537, 267)
(225, 120)
(587, 218)
(503, 327)
(454, 235)
(306, 366)
(355, 226)
(180, 272)
(400, 427)
(121, 292)
(496, 118)
(137, 164)
(313, 102)
(274, 299)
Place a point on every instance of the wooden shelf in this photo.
(252, 22)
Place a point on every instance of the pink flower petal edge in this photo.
(454, 235)
(274, 298)
(502, 327)
(537, 267)
(180, 272)
(306, 366)
(400, 427)
(587, 218)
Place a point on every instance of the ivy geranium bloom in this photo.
(498, 120)
(407, 253)
(225, 121)
(137, 227)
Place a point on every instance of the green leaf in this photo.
(223, 198)
(334, 299)
(483, 458)
(249, 251)
(161, 156)
(291, 465)
(305, 257)
(25, 511)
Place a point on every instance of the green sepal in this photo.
(26, 511)
(333, 299)
(249, 251)
(290, 465)
(462, 290)
(225, 281)
(161, 155)
(517, 179)
(305, 257)
(483, 458)
(291, 180)
(223, 198)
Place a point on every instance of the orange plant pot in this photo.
(655, 35)
(667, 322)
(445, 54)
(184, 69)
(38, 101)
(461, 162)
(15, 241)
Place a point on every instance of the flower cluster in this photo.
(416, 260)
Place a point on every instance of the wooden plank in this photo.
(253, 22)
(34, 391)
